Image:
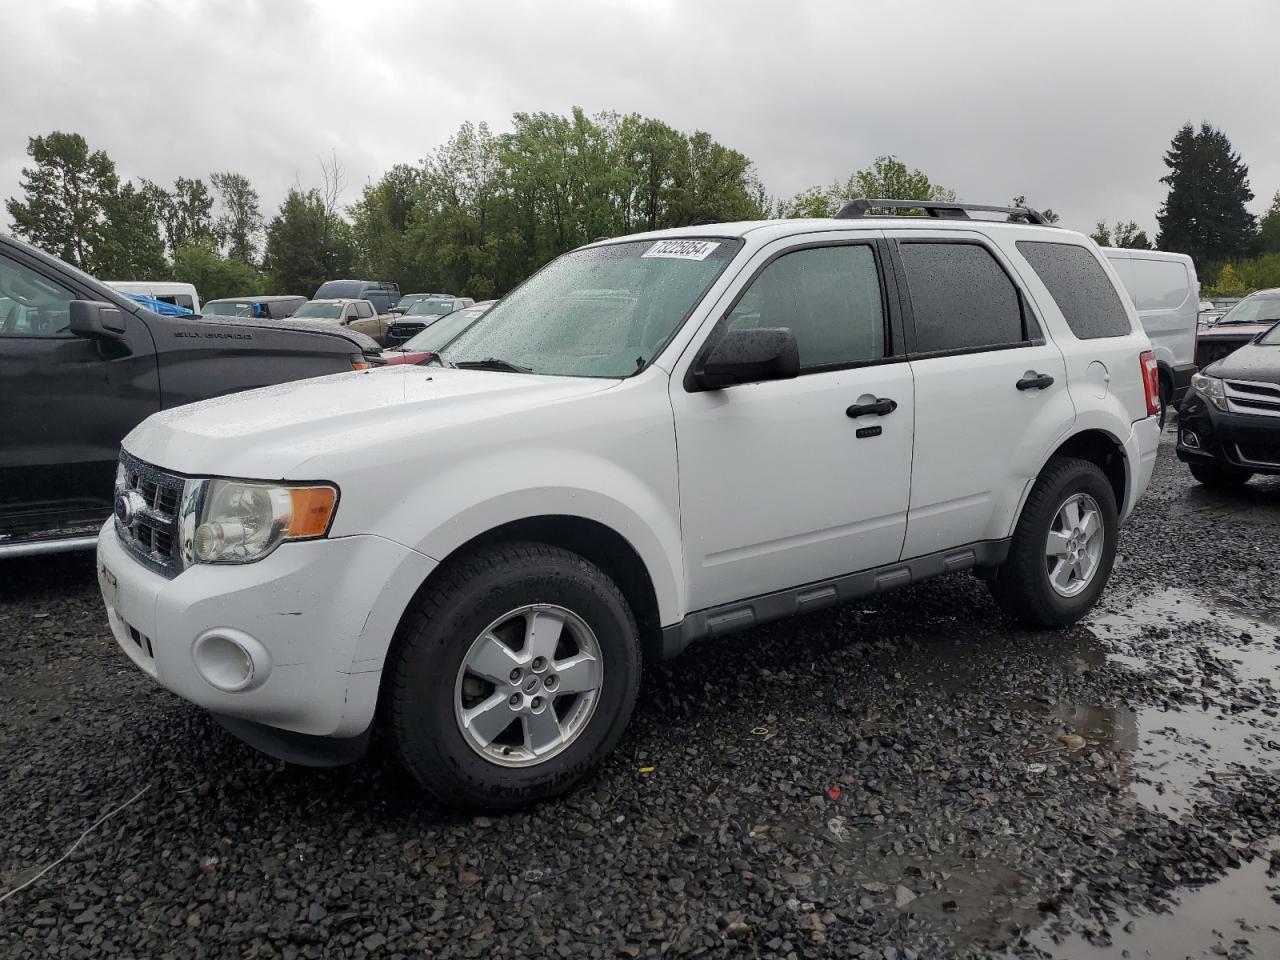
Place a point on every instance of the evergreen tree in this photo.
(189, 215)
(1204, 215)
(130, 247)
(306, 244)
(1269, 228)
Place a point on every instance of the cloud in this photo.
(1072, 104)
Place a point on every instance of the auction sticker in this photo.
(682, 249)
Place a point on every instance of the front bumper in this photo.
(317, 617)
(1248, 441)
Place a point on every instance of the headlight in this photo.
(237, 521)
(1211, 388)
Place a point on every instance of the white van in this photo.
(166, 291)
(1166, 293)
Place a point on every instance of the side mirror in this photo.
(749, 356)
(95, 320)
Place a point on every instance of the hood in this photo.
(1234, 331)
(1254, 361)
(270, 433)
(205, 326)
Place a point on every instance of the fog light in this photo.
(230, 660)
(1190, 440)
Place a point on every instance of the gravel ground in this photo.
(908, 777)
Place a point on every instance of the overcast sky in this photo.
(1071, 103)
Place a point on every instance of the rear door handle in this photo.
(880, 408)
(1037, 381)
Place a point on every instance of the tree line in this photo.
(484, 210)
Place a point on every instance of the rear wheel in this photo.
(1219, 475)
(514, 676)
(1063, 546)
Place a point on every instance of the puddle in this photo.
(1236, 916)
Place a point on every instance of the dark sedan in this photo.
(1250, 317)
(1229, 422)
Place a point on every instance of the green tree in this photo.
(380, 220)
(239, 221)
(1128, 234)
(1021, 201)
(188, 214)
(1204, 214)
(306, 244)
(66, 196)
(1269, 228)
(215, 277)
(130, 247)
(1101, 234)
(888, 178)
(1228, 284)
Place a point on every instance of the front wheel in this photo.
(1063, 546)
(1219, 476)
(513, 677)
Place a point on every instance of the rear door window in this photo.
(1080, 287)
(961, 298)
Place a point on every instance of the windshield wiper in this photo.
(492, 363)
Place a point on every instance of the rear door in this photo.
(68, 402)
(990, 391)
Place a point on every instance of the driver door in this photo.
(68, 402)
(782, 484)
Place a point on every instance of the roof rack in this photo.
(862, 207)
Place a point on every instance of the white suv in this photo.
(655, 439)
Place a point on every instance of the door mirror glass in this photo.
(95, 320)
(749, 356)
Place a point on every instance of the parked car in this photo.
(382, 294)
(1229, 424)
(483, 554)
(409, 299)
(276, 308)
(161, 307)
(1166, 293)
(81, 364)
(421, 315)
(1243, 323)
(166, 291)
(358, 315)
(438, 335)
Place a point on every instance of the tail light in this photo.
(1151, 381)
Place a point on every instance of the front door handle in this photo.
(881, 407)
(1035, 381)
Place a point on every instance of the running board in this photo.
(741, 614)
(36, 548)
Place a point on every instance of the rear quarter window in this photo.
(1079, 286)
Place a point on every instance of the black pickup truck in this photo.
(81, 365)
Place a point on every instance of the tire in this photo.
(1165, 393)
(1022, 585)
(429, 692)
(1219, 476)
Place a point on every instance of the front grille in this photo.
(401, 331)
(1209, 349)
(1245, 396)
(147, 501)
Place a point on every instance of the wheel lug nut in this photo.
(550, 681)
(536, 703)
(515, 675)
(514, 701)
(539, 663)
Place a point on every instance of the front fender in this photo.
(477, 494)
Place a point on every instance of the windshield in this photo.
(237, 309)
(1253, 310)
(599, 312)
(442, 332)
(320, 311)
(430, 308)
